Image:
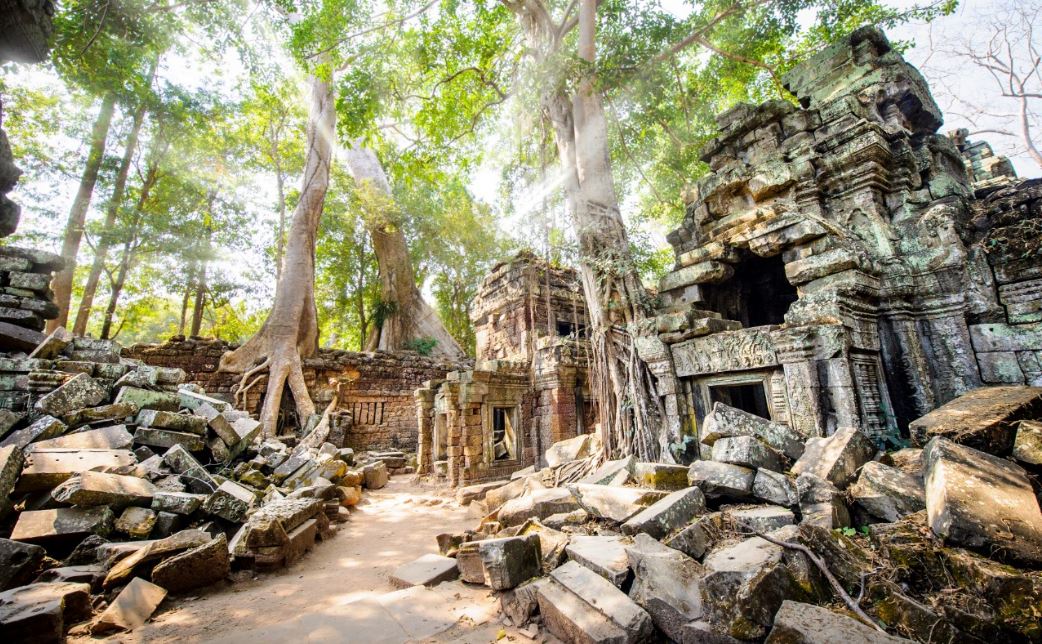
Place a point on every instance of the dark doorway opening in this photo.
(504, 438)
(758, 293)
(748, 397)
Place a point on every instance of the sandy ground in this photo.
(339, 591)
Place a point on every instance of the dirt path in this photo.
(339, 591)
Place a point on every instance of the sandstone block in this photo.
(821, 503)
(230, 501)
(47, 468)
(698, 538)
(887, 493)
(198, 567)
(147, 399)
(746, 451)
(798, 623)
(136, 522)
(668, 513)
(660, 476)
(62, 525)
(156, 419)
(983, 419)
(18, 562)
(837, 457)
(42, 429)
(580, 606)
(725, 421)
(569, 450)
(428, 570)
(613, 502)
(131, 608)
(11, 461)
(667, 584)
(1027, 446)
(775, 488)
(604, 555)
(719, 480)
(78, 392)
(100, 488)
(42, 612)
(113, 437)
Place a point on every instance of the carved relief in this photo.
(725, 351)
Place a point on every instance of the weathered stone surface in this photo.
(169, 420)
(668, 513)
(909, 460)
(42, 612)
(147, 399)
(145, 552)
(509, 561)
(40, 430)
(52, 345)
(746, 451)
(724, 421)
(165, 438)
(887, 493)
(666, 584)
(192, 400)
(616, 472)
(613, 502)
(500, 495)
(136, 522)
(198, 567)
(745, 584)
(983, 419)
(718, 480)
(821, 503)
(114, 437)
(700, 537)
(1027, 446)
(660, 476)
(538, 503)
(428, 570)
(605, 556)
(775, 488)
(798, 623)
(99, 488)
(476, 492)
(982, 501)
(78, 392)
(246, 430)
(192, 473)
(230, 501)
(569, 450)
(376, 475)
(47, 468)
(131, 608)
(764, 518)
(836, 458)
(90, 415)
(522, 603)
(62, 525)
(183, 503)
(580, 606)
(18, 562)
(11, 461)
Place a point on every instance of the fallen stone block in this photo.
(569, 450)
(725, 421)
(246, 429)
(552, 542)
(983, 419)
(102, 413)
(798, 623)
(1027, 445)
(539, 503)
(821, 503)
(52, 344)
(192, 401)
(165, 438)
(230, 501)
(616, 472)
(192, 473)
(113, 437)
(580, 606)
(375, 475)
(612, 502)
(61, 525)
(167, 523)
(700, 537)
(744, 585)
(477, 492)
(660, 476)
(887, 493)
(603, 555)
(45, 469)
(509, 561)
(183, 503)
(668, 513)
(776, 488)
(100, 488)
(136, 522)
(8, 420)
(561, 519)
(184, 423)
(522, 603)
(766, 518)
(11, 461)
(147, 399)
(746, 451)
(42, 612)
(198, 567)
(81, 574)
(78, 392)
(428, 570)
(40, 430)
(142, 553)
(131, 608)
(18, 562)
(666, 584)
(496, 497)
(982, 501)
(837, 457)
(721, 480)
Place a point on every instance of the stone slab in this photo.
(47, 468)
(667, 514)
(604, 555)
(101, 488)
(131, 608)
(61, 525)
(113, 437)
(428, 570)
(983, 419)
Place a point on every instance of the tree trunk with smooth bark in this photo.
(407, 316)
(62, 282)
(290, 333)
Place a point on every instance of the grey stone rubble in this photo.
(127, 458)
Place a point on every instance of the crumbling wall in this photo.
(375, 411)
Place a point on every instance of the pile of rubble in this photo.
(772, 536)
(120, 484)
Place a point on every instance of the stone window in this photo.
(504, 437)
(758, 294)
(749, 397)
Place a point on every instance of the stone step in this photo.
(579, 605)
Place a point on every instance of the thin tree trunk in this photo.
(117, 286)
(290, 333)
(407, 315)
(62, 283)
(189, 281)
(111, 212)
(200, 284)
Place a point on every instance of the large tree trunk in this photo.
(291, 331)
(629, 408)
(280, 184)
(62, 282)
(111, 213)
(407, 316)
